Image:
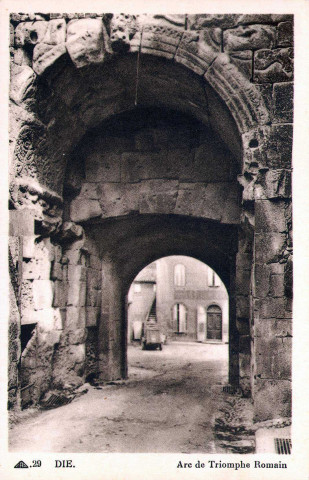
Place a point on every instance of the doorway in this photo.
(214, 323)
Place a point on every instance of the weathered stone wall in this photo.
(53, 285)
(272, 307)
(14, 347)
(244, 261)
(154, 162)
(78, 296)
(232, 73)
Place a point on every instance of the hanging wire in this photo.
(137, 68)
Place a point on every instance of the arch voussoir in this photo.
(94, 41)
(245, 102)
(194, 53)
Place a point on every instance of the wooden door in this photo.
(214, 323)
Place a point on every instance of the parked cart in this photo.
(151, 336)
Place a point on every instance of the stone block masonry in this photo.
(108, 174)
(171, 173)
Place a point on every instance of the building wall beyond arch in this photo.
(196, 292)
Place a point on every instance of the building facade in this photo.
(192, 302)
(184, 296)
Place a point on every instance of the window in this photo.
(179, 275)
(201, 323)
(213, 279)
(180, 318)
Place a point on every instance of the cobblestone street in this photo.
(169, 404)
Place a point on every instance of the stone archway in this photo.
(129, 254)
(66, 83)
(145, 174)
(81, 86)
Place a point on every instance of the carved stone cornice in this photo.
(26, 193)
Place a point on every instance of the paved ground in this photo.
(168, 405)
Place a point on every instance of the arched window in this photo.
(213, 279)
(179, 275)
(180, 318)
(214, 322)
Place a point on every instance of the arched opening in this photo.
(177, 315)
(146, 184)
(143, 182)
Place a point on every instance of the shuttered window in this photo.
(180, 318)
(179, 275)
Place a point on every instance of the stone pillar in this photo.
(243, 279)
(77, 277)
(70, 300)
(233, 333)
(14, 349)
(112, 327)
(272, 309)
